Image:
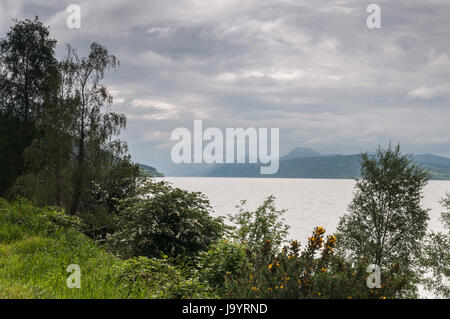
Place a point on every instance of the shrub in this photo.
(314, 272)
(264, 223)
(21, 218)
(156, 278)
(226, 258)
(164, 220)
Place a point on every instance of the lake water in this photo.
(309, 202)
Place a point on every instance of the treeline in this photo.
(58, 135)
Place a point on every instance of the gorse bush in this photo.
(314, 272)
(161, 219)
(287, 273)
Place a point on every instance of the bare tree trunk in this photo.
(59, 185)
(79, 176)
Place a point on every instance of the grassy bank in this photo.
(36, 247)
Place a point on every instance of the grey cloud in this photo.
(311, 68)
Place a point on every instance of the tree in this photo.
(47, 159)
(437, 256)
(94, 124)
(27, 63)
(386, 223)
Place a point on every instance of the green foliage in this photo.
(436, 258)
(21, 219)
(114, 182)
(149, 171)
(386, 223)
(256, 227)
(37, 245)
(26, 63)
(288, 273)
(118, 182)
(161, 219)
(226, 258)
(314, 272)
(157, 278)
(95, 124)
(58, 115)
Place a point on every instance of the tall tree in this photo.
(47, 159)
(386, 223)
(436, 259)
(26, 63)
(95, 124)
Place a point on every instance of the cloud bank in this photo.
(311, 68)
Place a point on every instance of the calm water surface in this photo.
(309, 202)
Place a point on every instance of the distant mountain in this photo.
(300, 152)
(149, 170)
(301, 162)
(341, 166)
(438, 166)
(321, 166)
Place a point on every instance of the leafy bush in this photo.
(314, 272)
(156, 278)
(226, 258)
(436, 259)
(282, 274)
(256, 227)
(164, 220)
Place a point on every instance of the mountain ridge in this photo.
(331, 166)
(303, 162)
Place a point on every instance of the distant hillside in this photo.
(438, 166)
(149, 170)
(321, 166)
(300, 152)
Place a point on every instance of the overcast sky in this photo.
(311, 68)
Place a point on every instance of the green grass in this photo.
(35, 252)
(37, 245)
